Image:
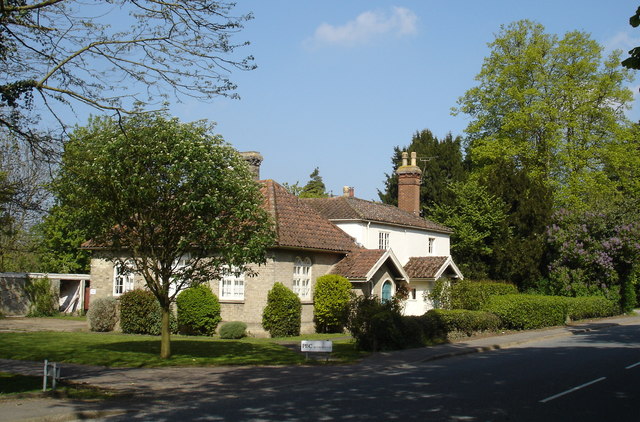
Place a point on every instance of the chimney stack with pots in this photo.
(254, 160)
(409, 179)
(348, 192)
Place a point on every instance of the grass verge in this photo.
(127, 350)
(12, 385)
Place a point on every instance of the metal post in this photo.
(53, 376)
(44, 377)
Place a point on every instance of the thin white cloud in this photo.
(366, 27)
(621, 41)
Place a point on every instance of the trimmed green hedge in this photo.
(233, 330)
(198, 311)
(103, 314)
(522, 312)
(440, 323)
(282, 315)
(472, 295)
(140, 313)
(590, 307)
(331, 295)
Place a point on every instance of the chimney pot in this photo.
(254, 160)
(404, 158)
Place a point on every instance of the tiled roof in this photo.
(424, 266)
(300, 226)
(358, 263)
(349, 208)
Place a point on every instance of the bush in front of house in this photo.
(282, 315)
(44, 302)
(233, 330)
(590, 307)
(440, 323)
(472, 295)
(198, 311)
(378, 325)
(140, 313)
(331, 296)
(523, 312)
(103, 314)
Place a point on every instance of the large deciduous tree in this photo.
(176, 204)
(552, 106)
(119, 56)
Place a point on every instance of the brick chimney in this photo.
(348, 192)
(254, 159)
(409, 178)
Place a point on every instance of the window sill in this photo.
(232, 301)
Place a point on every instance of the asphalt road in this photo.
(593, 376)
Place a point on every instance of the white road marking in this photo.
(631, 366)
(572, 390)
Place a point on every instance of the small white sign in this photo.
(92, 291)
(325, 346)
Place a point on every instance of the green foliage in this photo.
(281, 317)
(524, 312)
(44, 302)
(440, 294)
(444, 165)
(441, 323)
(198, 311)
(315, 188)
(168, 192)
(331, 296)
(590, 307)
(233, 330)
(544, 102)
(472, 295)
(140, 313)
(478, 222)
(633, 62)
(376, 325)
(103, 314)
(62, 237)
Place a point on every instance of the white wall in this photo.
(405, 242)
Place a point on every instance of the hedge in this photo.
(523, 312)
(472, 295)
(103, 314)
(233, 330)
(198, 311)
(331, 295)
(140, 313)
(282, 315)
(439, 323)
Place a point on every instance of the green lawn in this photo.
(127, 350)
(13, 384)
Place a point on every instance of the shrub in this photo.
(281, 317)
(233, 330)
(44, 302)
(440, 295)
(522, 312)
(440, 323)
(331, 296)
(472, 295)
(140, 313)
(377, 325)
(590, 307)
(198, 311)
(103, 314)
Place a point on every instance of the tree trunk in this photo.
(165, 340)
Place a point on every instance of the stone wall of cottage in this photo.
(278, 268)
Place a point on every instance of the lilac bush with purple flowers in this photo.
(594, 254)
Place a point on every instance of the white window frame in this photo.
(432, 241)
(383, 240)
(232, 285)
(122, 283)
(302, 278)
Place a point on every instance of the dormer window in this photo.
(383, 240)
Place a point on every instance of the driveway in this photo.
(9, 324)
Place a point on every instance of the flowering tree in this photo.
(179, 202)
(594, 254)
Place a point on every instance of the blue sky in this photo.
(340, 83)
